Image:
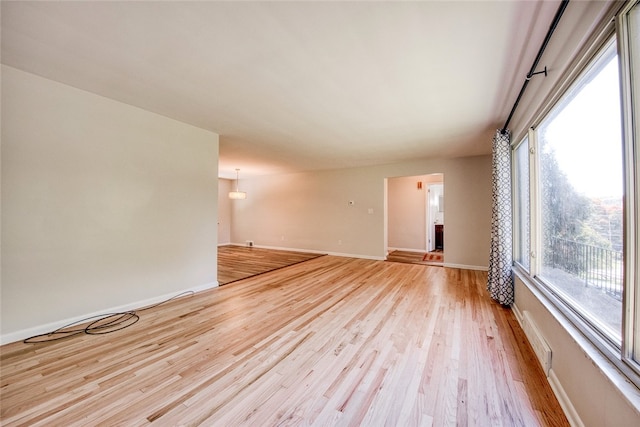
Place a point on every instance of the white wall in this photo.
(311, 211)
(224, 211)
(103, 205)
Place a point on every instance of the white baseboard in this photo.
(375, 258)
(313, 251)
(466, 267)
(563, 399)
(407, 250)
(556, 386)
(43, 329)
(282, 248)
(518, 313)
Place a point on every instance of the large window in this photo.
(576, 191)
(629, 35)
(580, 157)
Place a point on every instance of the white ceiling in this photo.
(293, 86)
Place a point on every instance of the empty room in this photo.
(326, 213)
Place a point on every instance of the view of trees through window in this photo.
(581, 185)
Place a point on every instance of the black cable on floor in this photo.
(103, 323)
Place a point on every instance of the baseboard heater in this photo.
(537, 341)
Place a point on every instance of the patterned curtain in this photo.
(500, 284)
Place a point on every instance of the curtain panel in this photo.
(500, 277)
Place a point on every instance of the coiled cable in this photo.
(103, 323)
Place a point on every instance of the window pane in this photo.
(581, 185)
(521, 184)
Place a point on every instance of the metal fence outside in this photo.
(598, 267)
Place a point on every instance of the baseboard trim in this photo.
(569, 411)
(52, 326)
(313, 251)
(282, 248)
(565, 403)
(407, 250)
(518, 313)
(375, 258)
(348, 255)
(466, 267)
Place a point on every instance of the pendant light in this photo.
(237, 194)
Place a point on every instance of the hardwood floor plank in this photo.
(239, 262)
(330, 341)
(423, 258)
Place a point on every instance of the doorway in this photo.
(435, 217)
(412, 208)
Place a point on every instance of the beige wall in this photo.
(592, 395)
(311, 210)
(103, 205)
(407, 210)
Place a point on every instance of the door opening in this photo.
(435, 217)
(410, 215)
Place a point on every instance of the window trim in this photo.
(535, 211)
(600, 52)
(631, 243)
(516, 212)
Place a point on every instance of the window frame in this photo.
(631, 137)
(597, 325)
(517, 220)
(626, 355)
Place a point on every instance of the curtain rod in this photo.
(532, 72)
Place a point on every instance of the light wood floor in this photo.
(328, 342)
(239, 262)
